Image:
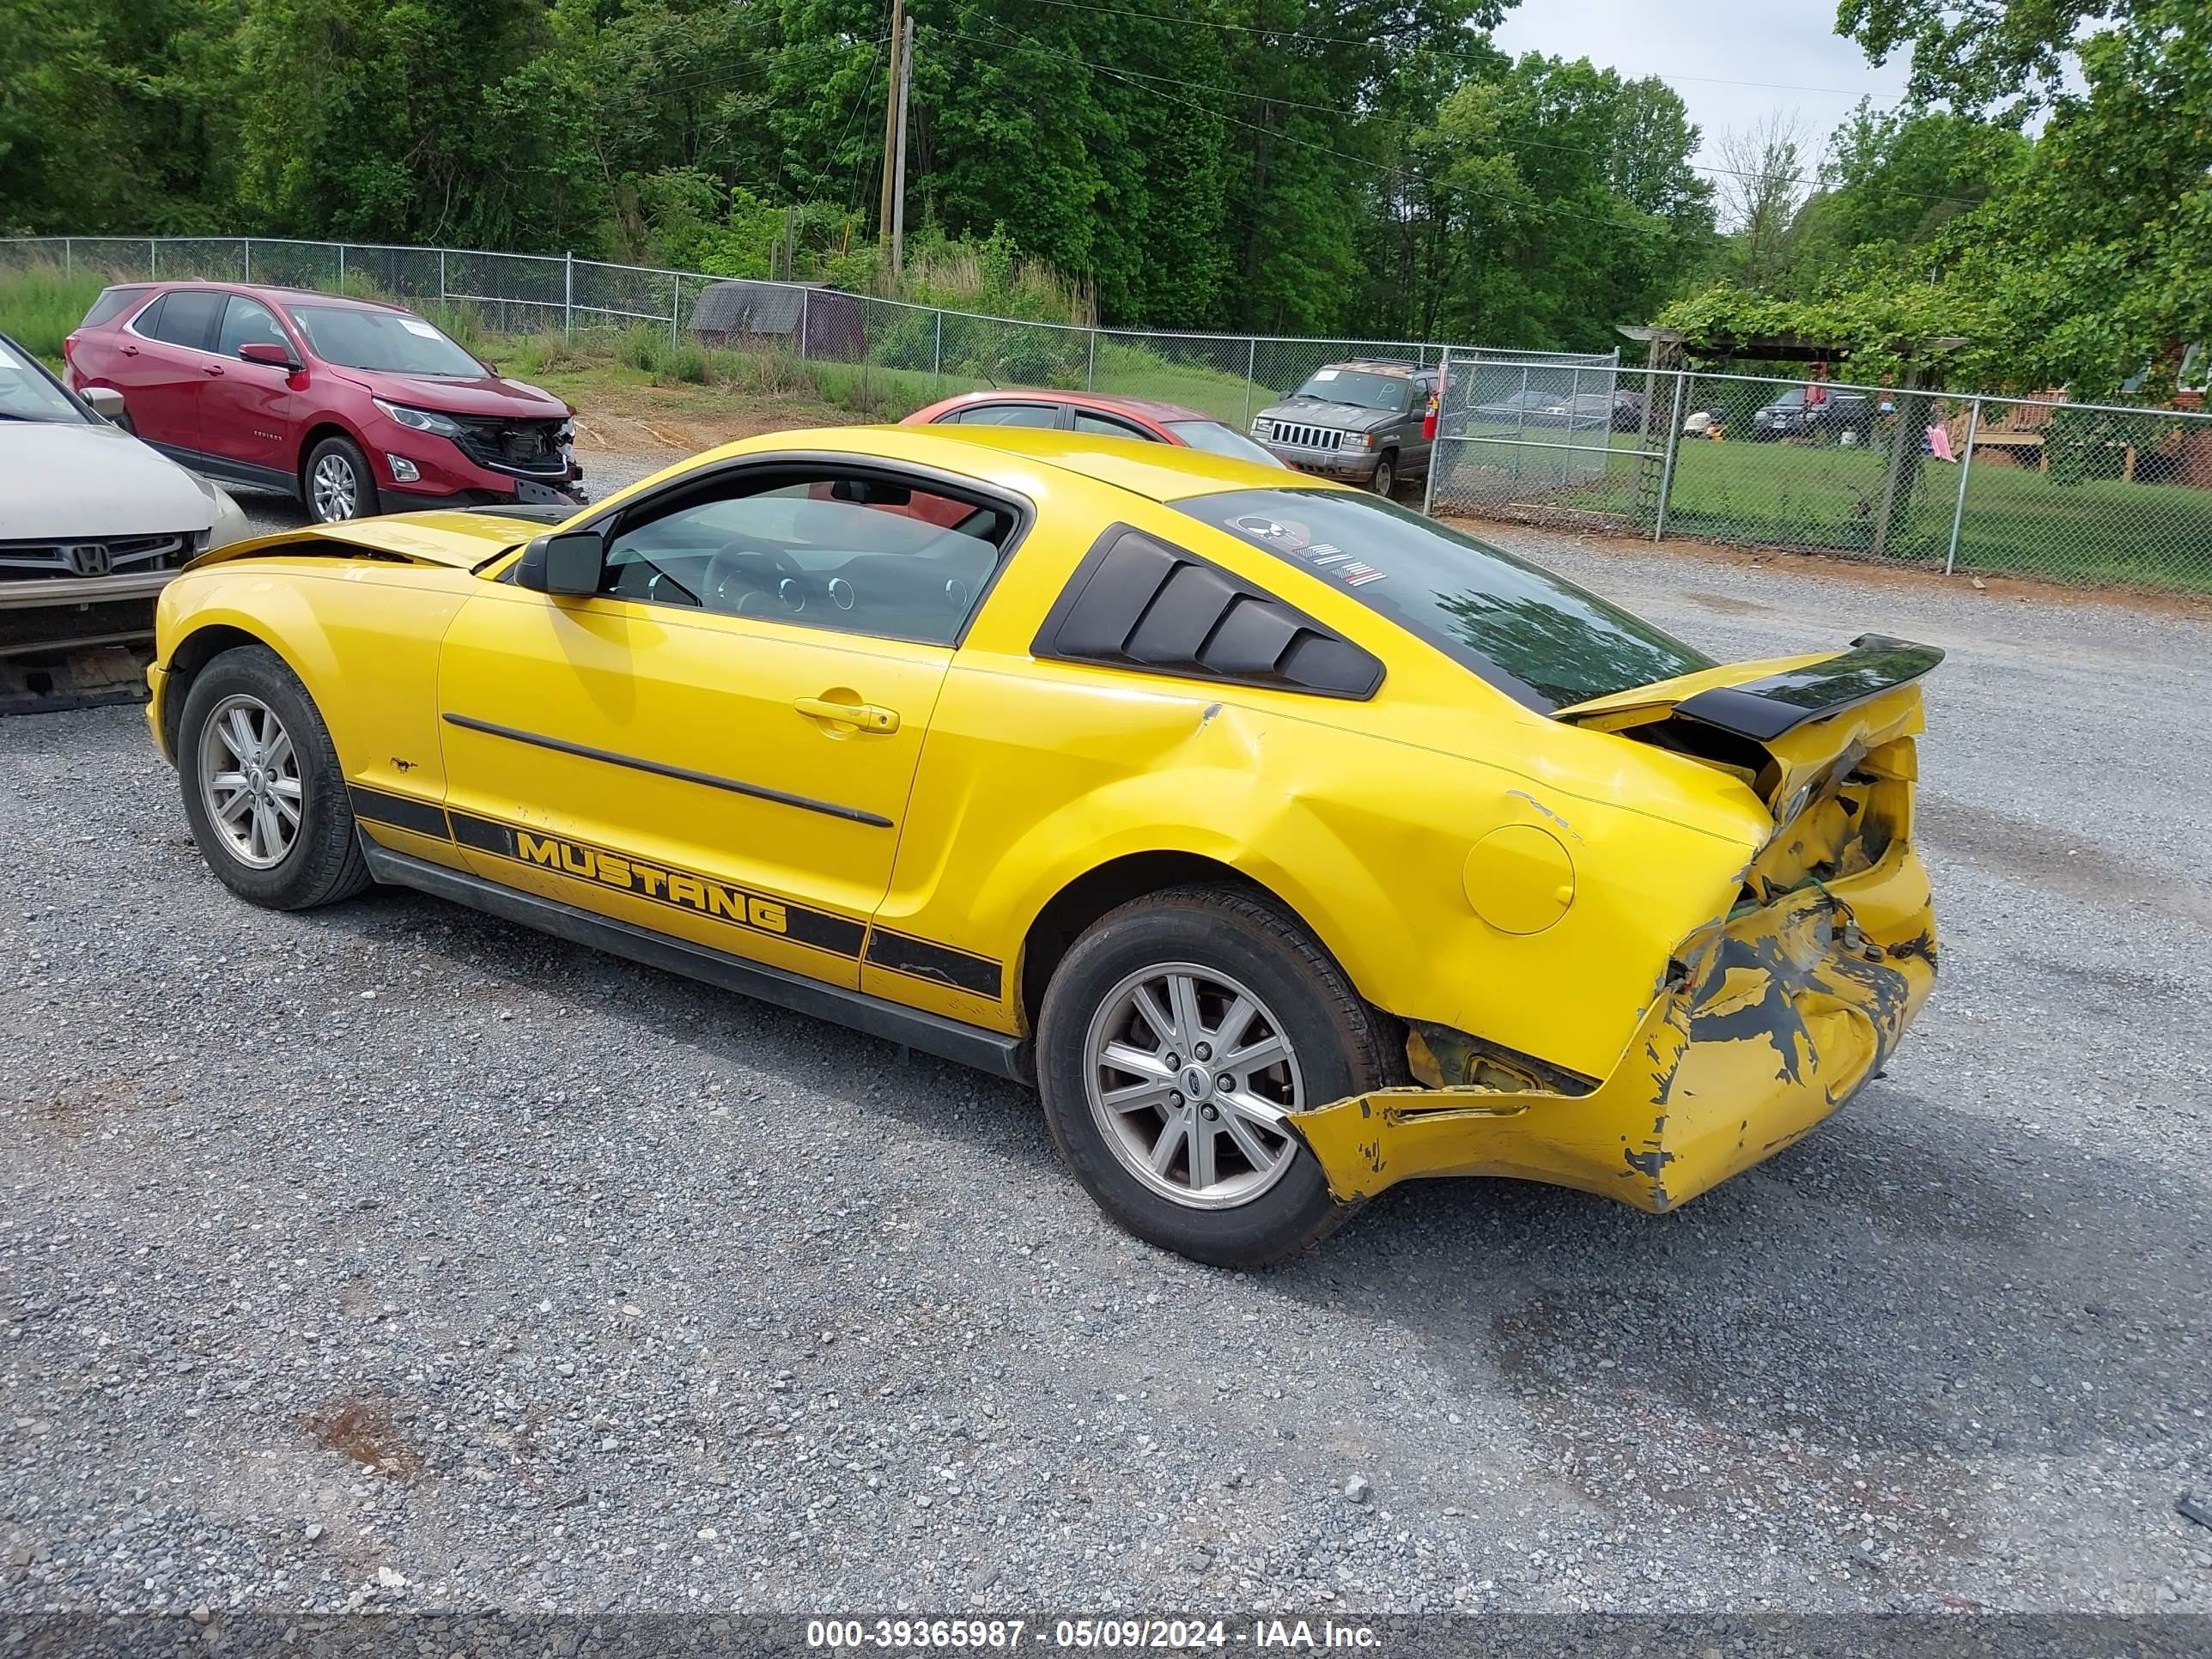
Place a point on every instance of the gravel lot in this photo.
(393, 1256)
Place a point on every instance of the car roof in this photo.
(1397, 366)
(279, 295)
(1150, 409)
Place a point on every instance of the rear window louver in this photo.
(1137, 603)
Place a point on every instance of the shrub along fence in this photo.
(2082, 494)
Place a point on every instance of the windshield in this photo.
(392, 341)
(1538, 638)
(28, 394)
(1218, 440)
(1357, 386)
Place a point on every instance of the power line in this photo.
(1536, 208)
(859, 167)
(721, 79)
(1813, 180)
(718, 80)
(1355, 40)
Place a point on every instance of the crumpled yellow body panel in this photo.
(1784, 1011)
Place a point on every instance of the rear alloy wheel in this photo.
(1385, 480)
(1189, 1079)
(338, 483)
(1179, 1039)
(262, 792)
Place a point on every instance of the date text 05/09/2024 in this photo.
(1125, 1634)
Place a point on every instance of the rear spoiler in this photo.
(1763, 709)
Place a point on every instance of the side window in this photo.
(247, 322)
(188, 319)
(111, 303)
(1107, 427)
(148, 321)
(1138, 602)
(854, 553)
(1045, 414)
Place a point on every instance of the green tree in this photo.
(116, 115)
(1567, 203)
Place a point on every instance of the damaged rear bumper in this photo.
(1780, 1013)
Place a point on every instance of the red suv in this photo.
(353, 407)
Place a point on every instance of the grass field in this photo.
(39, 305)
(2016, 521)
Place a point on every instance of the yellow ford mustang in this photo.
(1293, 844)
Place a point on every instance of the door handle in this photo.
(210, 368)
(130, 351)
(865, 715)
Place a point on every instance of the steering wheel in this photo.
(787, 587)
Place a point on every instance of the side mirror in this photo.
(275, 356)
(566, 561)
(104, 401)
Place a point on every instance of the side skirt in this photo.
(948, 1039)
(224, 471)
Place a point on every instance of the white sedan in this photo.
(89, 516)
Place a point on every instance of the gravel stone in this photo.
(1969, 1319)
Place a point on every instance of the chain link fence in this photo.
(2086, 493)
(2077, 492)
(901, 355)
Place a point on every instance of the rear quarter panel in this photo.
(1360, 816)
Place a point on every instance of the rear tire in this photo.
(1174, 1143)
(262, 792)
(336, 483)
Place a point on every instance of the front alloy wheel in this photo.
(1189, 1076)
(334, 488)
(262, 787)
(250, 782)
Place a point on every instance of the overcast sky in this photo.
(1704, 49)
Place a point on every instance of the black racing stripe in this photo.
(400, 811)
(922, 959)
(823, 929)
(482, 834)
(661, 769)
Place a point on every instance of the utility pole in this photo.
(891, 123)
(898, 188)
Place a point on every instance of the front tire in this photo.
(262, 792)
(339, 485)
(1175, 1037)
(1385, 480)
